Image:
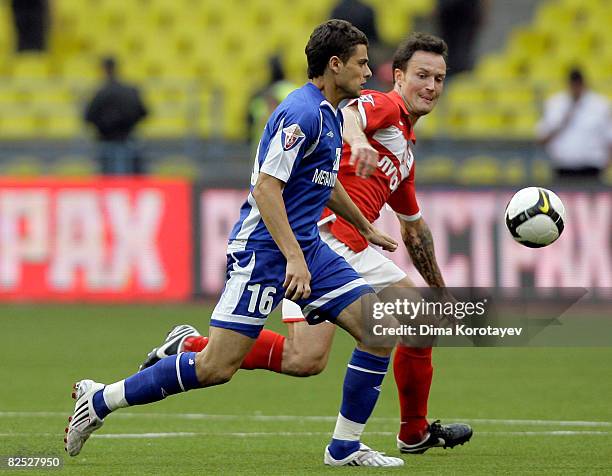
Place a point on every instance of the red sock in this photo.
(194, 344)
(413, 373)
(266, 353)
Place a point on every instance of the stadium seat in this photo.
(483, 170)
(190, 41)
(187, 41)
(23, 167)
(437, 169)
(80, 166)
(178, 166)
(533, 64)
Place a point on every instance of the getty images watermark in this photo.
(425, 317)
(436, 313)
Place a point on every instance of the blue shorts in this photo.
(254, 287)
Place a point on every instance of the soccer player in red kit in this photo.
(378, 134)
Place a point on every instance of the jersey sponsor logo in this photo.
(386, 166)
(338, 158)
(367, 98)
(330, 134)
(324, 177)
(292, 135)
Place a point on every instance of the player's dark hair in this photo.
(332, 38)
(418, 42)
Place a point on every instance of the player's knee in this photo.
(215, 376)
(317, 366)
(211, 373)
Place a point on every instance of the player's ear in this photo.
(334, 64)
(398, 76)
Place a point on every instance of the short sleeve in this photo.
(295, 132)
(377, 111)
(403, 200)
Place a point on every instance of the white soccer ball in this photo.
(535, 217)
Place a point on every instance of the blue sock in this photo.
(364, 376)
(174, 374)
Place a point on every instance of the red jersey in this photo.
(389, 131)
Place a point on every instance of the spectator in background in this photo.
(459, 22)
(114, 111)
(576, 130)
(31, 19)
(267, 99)
(363, 17)
(360, 15)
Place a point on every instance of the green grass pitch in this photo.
(534, 410)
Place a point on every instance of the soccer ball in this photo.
(535, 217)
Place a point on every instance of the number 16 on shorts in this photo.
(261, 300)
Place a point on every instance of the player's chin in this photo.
(426, 109)
(358, 89)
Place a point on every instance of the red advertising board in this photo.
(95, 240)
(473, 246)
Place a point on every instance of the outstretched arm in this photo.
(341, 204)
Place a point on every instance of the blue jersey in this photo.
(302, 146)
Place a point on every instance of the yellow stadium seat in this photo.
(513, 171)
(436, 169)
(548, 69)
(394, 24)
(428, 125)
(30, 65)
(495, 67)
(63, 126)
(467, 93)
(513, 94)
(528, 42)
(18, 124)
(164, 123)
(24, 166)
(75, 166)
(541, 172)
(551, 18)
(483, 170)
(177, 166)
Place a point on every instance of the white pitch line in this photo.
(327, 433)
(258, 434)
(533, 422)
(315, 418)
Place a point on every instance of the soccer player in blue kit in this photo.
(275, 251)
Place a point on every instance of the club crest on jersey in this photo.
(292, 135)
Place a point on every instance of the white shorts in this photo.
(377, 270)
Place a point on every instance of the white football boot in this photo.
(172, 344)
(364, 456)
(84, 420)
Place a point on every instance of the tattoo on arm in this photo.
(419, 242)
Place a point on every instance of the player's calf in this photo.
(307, 348)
